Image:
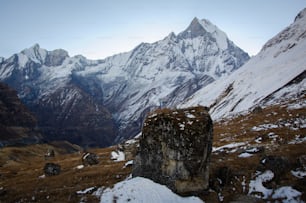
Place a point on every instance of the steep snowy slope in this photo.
(277, 73)
(127, 85)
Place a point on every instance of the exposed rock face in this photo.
(175, 147)
(17, 124)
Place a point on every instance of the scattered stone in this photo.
(2, 191)
(89, 159)
(52, 169)
(224, 174)
(302, 162)
(257, 109)
(175, 149)
(50, 153)
(278, 165)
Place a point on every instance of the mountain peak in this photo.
(194, 30)
(300, 15)
(34, 53)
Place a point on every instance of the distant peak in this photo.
(36, 46)
(195, 20)
(195, 29)
(171, 35)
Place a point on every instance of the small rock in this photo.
(2, 191)
(302, 162)
(278, 165)
(52, 169)
(89, 159)
(257, 109)
(50, 153)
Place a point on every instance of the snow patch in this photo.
(229, 146)
(299, 174)
(117, 156)
(245, 155)
(80, 166)
(137, 190)
(129, 163)
(86, 191)
(287, 194)
(256, 186)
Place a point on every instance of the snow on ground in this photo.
(298, 173)
(298, 139)
(283, 194)
(137, 190)
(245, 155)
(256, 186)
(229, 146)
(287, 194)
(264, 127)
(80, 166)
(88, 190)
(129, 163)
(117, 156)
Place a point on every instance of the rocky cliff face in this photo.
(17, 124)
(175, 147)
(128, 85)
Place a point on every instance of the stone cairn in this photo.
(175, 149)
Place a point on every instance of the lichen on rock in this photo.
(175, 147)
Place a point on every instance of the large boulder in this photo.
(175, 149)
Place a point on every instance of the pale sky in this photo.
(101, 28)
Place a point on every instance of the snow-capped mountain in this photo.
(276, 74)
(126, 85)
(162, 73)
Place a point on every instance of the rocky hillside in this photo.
(17, 124)
(122, 88)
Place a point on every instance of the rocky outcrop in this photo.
(175, 147)
(17, 124)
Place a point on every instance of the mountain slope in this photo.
(277, 73)
(127, 85)
(17, 124)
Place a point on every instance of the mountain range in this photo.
(101, 102)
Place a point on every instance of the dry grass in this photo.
(21, 167)
(239, 129)
(20, 177)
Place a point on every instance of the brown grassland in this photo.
(21, 167)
